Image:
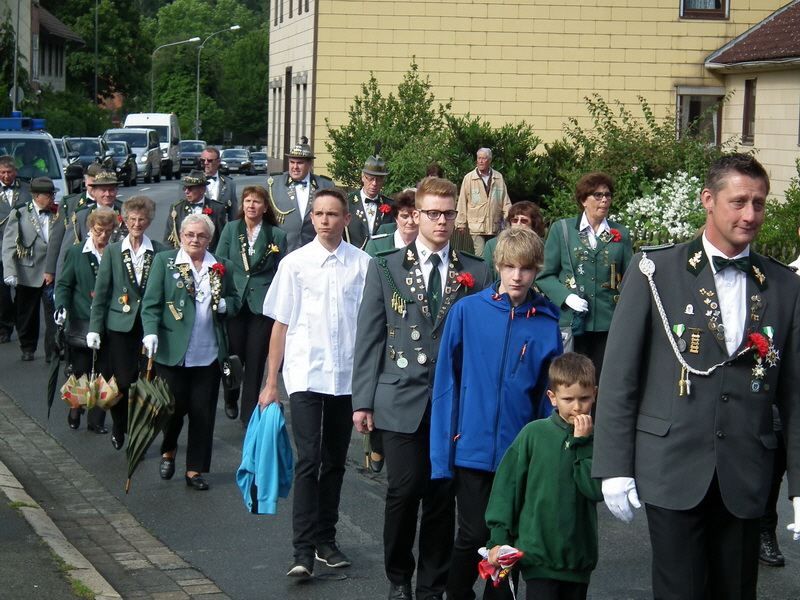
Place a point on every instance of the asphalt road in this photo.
(248, 555)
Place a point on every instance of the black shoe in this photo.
(74, 417)
(231, 410)
(197, 482)
(117, 440)
(376, 464)
(5, 337)
(400, 592)
(97, 429)
(167, 468)
(329, 553)
(769, 552)
(302, 568)
(27, 356)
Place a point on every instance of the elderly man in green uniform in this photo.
(369, 208)
(292, 192)
(195, 202)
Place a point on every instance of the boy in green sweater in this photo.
(544, 500)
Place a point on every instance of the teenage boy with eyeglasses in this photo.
(395, 360)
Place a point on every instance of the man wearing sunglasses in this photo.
(395, 360)
(218, 187)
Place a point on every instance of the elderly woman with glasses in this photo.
(585, 258)
(190, 294)
(116, 306)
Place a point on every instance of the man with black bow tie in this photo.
(369, 208)
(24, 252)
(11, 193)
(218, 187)
(292, 192)
(195, 202)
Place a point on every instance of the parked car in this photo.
(169, 134)
(236, 160)
(69, 158)
(260, 161)
(190, 154)
(124, 162)
(144, 142)
(92, 149)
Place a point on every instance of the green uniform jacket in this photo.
(116, 286)
(74, 287)
(544, 502)
(252, 274)
(168, 310)
(597, 272)
(380, 243)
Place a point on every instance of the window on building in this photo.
(699, 111)
(749, 112)
(704, 9)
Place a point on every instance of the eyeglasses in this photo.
(102, 232)
(434, 215)
(196, 236)
(600, 195)
(204, 161)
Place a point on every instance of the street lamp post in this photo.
(197, 94)
(153, 65)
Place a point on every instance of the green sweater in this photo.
(544, 502)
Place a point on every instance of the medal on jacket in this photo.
(178, 315)
(679, 329)
(402, 361)
(422, 358)
(126, 308)
(415, 335)
(392, 353)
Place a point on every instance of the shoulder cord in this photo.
(281, 216)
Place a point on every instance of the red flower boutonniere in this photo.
(54, 208)
(218, 268)
(385, 208)
(207, 211)
(466, 280)
(615, 235)
(120, 219)
(759, 344)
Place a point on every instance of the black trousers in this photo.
(81, 360)
(248, 338)
(472, 489)
(769, 521)
(196, 390)
(552, 589)
(593, 345)
(8, 315)
(27, 307)
(321, 426)
(125, 362)
(704, 553)
(408, 469)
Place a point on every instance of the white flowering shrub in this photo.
(673, 207)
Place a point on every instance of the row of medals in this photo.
(397, 355)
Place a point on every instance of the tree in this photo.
(7, 45)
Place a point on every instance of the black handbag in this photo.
(76, 332)
(232, 372)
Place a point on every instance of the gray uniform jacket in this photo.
(394, 310)
(20, 195)
(299, 231)
(672, 443)
(227, 196)
(24, 246)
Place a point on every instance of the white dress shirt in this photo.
(424, 254)
(137, 258)
(212, 187)
(44, 222)
(317, 294)
(90, 248)
(731, 284)
(301, 193)
(202, 349)
(590, 233)
(370, 211)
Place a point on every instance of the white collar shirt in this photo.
(317, 293)
(202, 349)
(424, 254)
(90, 248)
(370, 211)
(137, 258)
(212, 188)
(586, 227)
(398, 240)
(302, 190)
(44, 222)
(731, 284)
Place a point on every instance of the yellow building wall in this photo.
(777, 119)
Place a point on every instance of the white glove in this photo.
(577, 303)
(795, 527)
(222, 307)
(151, 344)
(11, 281)
(60, 316)
(620, 494)
(93, 340)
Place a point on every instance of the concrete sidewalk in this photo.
(105, 548)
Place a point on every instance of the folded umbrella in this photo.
(507, 557)
(55, 363)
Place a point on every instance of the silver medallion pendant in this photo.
(415, 335)
(422, 358)
(647, 266)
(682, 344)
(402, 361)
(126, 308)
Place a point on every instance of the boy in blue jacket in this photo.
(490, 382)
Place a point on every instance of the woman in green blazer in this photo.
(585, 258)
(73, 299)
(189, 295)
(116, 307)
(254, 245)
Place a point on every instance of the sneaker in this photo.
(302, 568)
(329, 553)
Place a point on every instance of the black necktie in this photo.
(45, 211)
(743, 263)
(373, 200)
(435, 285)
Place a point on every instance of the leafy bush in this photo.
(778, 235)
